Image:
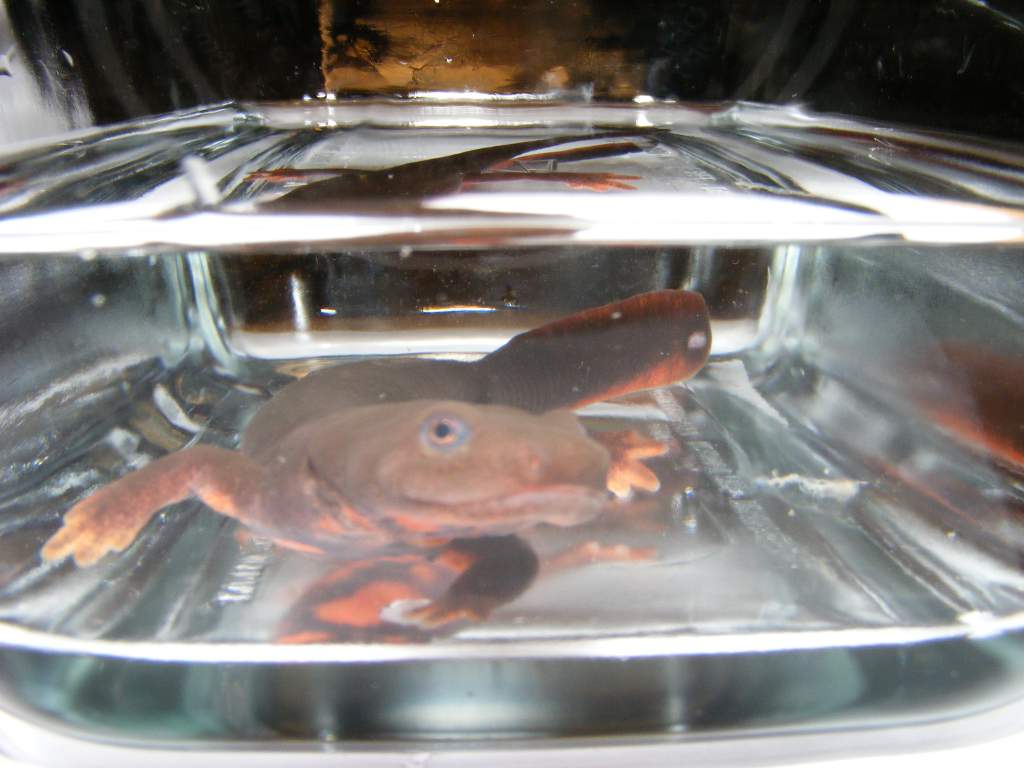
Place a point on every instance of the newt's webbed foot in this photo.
(627, 472)
(106, 521)
(111, 518)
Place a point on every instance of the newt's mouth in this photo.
(560, 505)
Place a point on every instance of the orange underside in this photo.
(362, 609)
(455, 561)
(302, 638)
(669, 371)
(973, 433)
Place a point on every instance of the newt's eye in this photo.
(444, 433)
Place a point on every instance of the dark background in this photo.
(951, 64)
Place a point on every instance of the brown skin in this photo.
(374, 463)
(475, 465)
(368, 479)
(449, 173)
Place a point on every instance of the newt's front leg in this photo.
(109, 519)
(626, 471)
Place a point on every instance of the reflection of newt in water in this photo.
(450, 173)
(416, 476)
(979, 398)
(971, 393)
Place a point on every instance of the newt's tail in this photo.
(650, 340)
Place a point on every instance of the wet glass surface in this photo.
(845, 494)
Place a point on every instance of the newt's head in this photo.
(428, 468)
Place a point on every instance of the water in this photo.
(847, 494)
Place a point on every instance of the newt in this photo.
(450, 173)
(414, 476)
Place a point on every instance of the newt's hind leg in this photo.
(412, 597)
(109, 519)
(494, 571)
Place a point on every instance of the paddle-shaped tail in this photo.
(650, 340)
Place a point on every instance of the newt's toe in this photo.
(99, 524)
(627, 475)
(85, 544)
(627, 472)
